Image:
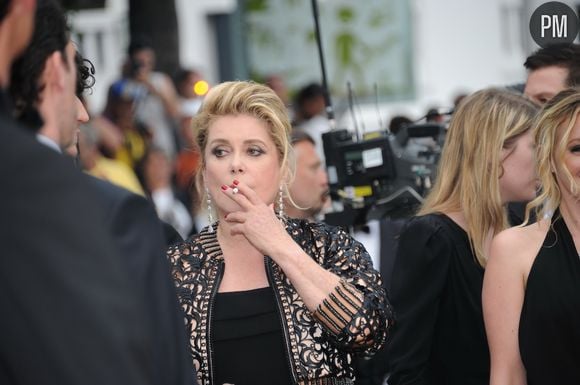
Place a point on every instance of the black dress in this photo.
(439, 335)
(247, 339)
(549, 333)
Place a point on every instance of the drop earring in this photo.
(281, 202)
(209, 211)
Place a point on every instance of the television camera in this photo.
(379, 175)
(382, 175)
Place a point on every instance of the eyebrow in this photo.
(247, 141)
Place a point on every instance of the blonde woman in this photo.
(531, 293)
(487, 161)
(269, 300)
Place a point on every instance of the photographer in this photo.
(155, 99)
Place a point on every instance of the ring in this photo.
(235, 190)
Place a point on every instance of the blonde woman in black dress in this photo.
(531, 294)
(487, 161)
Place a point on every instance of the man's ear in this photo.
(54, 71)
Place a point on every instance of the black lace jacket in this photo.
(354, 318)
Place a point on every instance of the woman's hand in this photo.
(256, 221)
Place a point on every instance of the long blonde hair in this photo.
(552, 131)
(470, 167)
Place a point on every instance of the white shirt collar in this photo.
(48, 142)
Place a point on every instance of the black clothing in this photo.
(439, 336)
(248, 331)
(517, 213)
(172, 237)
(139, 236)
(354, 318)
(69, 313)
(373, 370)
(549, 333)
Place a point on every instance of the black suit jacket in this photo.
(69, 315)
(139, 235)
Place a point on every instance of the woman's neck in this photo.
(232, 245)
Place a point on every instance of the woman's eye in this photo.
(218, 152)
(575, 148)
(255, 151)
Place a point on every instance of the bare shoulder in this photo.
(518, 246)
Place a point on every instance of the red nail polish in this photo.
(236, 182)
(224, 187)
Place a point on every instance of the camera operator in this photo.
(310, 116)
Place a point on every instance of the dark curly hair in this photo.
(85, 74)
(51, 34)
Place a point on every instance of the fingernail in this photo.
(236, 182)
(224, 187)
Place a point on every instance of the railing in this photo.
(102, 37)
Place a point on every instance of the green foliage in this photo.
(256, 5)
(345, 14)
(378, 19)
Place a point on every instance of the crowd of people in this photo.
(192, 248)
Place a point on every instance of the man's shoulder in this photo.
(18, 142)
(116, 200)
(110, 191)
(23, 159)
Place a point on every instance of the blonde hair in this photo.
(552, 131)
(245, 98)
(470, 167)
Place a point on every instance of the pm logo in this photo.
(554, 22)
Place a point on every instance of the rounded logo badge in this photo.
(554, 22)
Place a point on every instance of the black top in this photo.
(549, 333)
(247, 339)
(439, 336)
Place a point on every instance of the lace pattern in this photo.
(354, 318)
